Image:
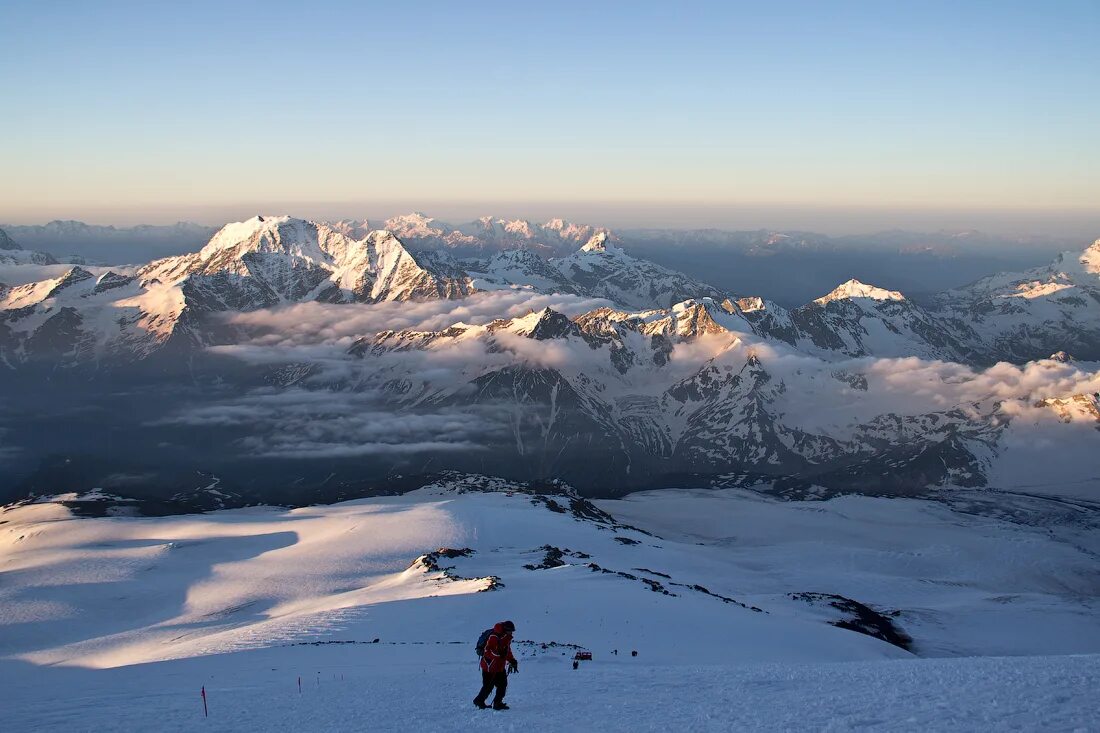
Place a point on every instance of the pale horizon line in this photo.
(828, 219)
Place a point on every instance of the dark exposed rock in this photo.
(658, 587)
(110, 281)
(725, 599)
(860, 618)
(430, 561)
(653, 572)
(653, 584)
(553, 557)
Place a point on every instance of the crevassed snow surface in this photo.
(117, 622)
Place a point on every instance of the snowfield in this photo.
(427, 689)
(108, 592)
(117, 622)
(978, 573)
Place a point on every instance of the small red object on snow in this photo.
(205, 711)
(583, 656)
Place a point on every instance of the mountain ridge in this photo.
(617, 373)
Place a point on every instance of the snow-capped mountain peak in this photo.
(597, 243)
(352, 228)
(520, 227)
(1029, 315)
(488, 234)
(70, 278)
(607, 271)
(236, 233)
(285, 259)
(855, 289)
(414, 224)
(1090, 258)
(541, 325)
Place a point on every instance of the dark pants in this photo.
(489, 680)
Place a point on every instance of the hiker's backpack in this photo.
(481, 641)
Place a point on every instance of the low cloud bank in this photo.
(382, 402)
(311, 324)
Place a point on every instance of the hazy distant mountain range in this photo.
(11, 253)
(107, 244)
(789, 267)
(300, 360)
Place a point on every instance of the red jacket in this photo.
(498, 651)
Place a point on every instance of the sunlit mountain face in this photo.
(298, 361)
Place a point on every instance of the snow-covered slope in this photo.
(374, 569)
(83, 319)
(603, 270)
(323, 617)
(854, 289)
(1030, 315)
(966, 570)
(519, 268)
(617, 576)
(259, 263)
(428, 688)
(857, 319)
(270, 260)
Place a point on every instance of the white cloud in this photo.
(389, 384)
(340, 325)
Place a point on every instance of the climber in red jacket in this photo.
(496, 662)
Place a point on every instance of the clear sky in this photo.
(150, 111)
